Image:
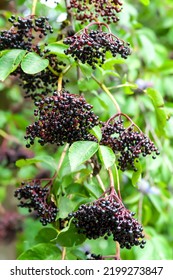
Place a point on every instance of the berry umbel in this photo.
(90, 46)
(63, 117)
(90, 10)
(108, 216)
(37, 198)
(129, 143)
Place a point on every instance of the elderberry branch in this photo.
(63, 254)
(103, 86)
(118, 181)
(34, 4)
(62, 157)
(117, 256)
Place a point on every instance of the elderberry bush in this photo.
(90, 10)
(91, 46)
(108, 216)
(36, 198)
(63, 117)
(127, 142)
(25, 33)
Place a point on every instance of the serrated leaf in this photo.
(42, 251)
(96, 131)
(9, 62)
(33, 63)
(80, 152)
(45, 159)
(70, 237)
(106, 156)
(136, 174)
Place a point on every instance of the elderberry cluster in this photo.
(63, 117)
(25, 33)
(127, 142)
(36, 198)
(91, 46)
(42, 83)
(89, 10)
(108, 216)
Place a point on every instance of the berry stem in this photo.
(62, 157)
(102, 86)
(127, 117)
(118, 181)
(140, 203)
(117, 256)
(99, 24)
(99, 179)
(60, 84)
(53, 71)
(34, 4)
(63, 254)
(111, 179)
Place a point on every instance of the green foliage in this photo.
(9, 61)
(33, 63)
(141, 86)
(80, 152)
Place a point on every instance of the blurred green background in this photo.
(148, 26)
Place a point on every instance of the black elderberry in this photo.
(36, 198)
(24, 33)
(91, 46)
(62, 117)
(89, 10)
(127, 142)
(108, 216)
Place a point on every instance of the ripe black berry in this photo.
(36, 198)
(108, 216)
(90, 10)
(24, 33)
(127, 142)
(91, 45)
(62, 117)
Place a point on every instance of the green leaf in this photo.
(65, 206)
(136, 174)
(45, 159)
(70, 237)
(80, 152)
(42, 251)
(158, 104)
(58, 49)
(33, 63)
(106, 156)
(9, 62)
(46, 235)
(87, 71)
(96, 131)
(156, 97)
